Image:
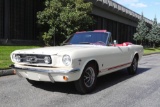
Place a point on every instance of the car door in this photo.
(114, 58)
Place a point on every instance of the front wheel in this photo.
(88, 79)
(133, 68)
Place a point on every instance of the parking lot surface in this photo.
(113, 90)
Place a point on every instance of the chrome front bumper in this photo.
(48, 74)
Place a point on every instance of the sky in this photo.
(149, 8)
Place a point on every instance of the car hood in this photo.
(56, 50)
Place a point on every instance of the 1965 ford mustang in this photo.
(82, 58)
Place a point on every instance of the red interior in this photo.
(124, 44)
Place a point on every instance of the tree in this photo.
(141, 31)
(154, 34)
(63, 17)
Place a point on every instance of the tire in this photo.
(33, 82)
(133, 68)
(88, 79)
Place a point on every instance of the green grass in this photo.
(5, 52)
(151, 50)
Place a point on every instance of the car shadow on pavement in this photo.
(103, 82)
(115, 78)
(67, 87)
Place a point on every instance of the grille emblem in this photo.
(31, 59)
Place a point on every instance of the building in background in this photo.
(18, 22)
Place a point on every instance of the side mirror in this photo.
(114, 42)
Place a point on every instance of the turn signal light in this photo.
(65, 78)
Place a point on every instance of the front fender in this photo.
(83, 64)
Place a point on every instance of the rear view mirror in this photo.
(114, 42)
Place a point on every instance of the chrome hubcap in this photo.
(89, 77)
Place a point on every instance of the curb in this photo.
(7, 72)
(151, 53)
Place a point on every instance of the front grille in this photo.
(33, 58)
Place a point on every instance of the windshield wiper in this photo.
(84, 42)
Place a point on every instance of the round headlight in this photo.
(47, 59)
(66, 60)
(13, 57)
(17, 58)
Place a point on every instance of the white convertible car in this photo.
(82, 58)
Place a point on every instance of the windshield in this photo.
(88, 38)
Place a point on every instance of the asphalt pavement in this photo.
(117, 89)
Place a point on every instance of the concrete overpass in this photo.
(121, 21)
(112, 10)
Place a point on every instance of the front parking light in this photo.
(47, 59)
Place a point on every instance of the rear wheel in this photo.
(133, 68)
(88, 79)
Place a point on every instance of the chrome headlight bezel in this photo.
(67, 60)
(16, 58)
